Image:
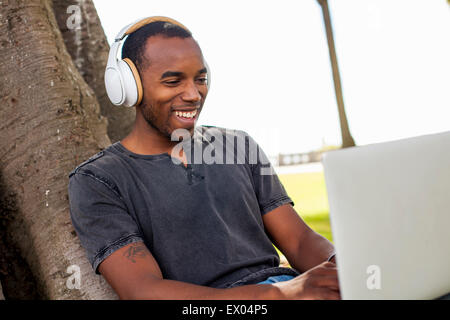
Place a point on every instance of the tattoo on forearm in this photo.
(136, 250)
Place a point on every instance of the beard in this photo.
(150, 117)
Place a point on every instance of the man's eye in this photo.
(172, 82)
(202, 80)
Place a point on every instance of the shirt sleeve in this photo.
(100, 217)
(268, 187)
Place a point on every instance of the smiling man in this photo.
(157, 228)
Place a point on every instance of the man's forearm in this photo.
(312, 251)
(163, 289)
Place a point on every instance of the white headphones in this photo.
(122, 81)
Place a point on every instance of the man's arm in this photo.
(303, 247)
(134, 274)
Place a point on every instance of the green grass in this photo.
(308, 192)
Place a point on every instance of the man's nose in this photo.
(191, 93)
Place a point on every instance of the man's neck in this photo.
(146, 142)
(149, 144)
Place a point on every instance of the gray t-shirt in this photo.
(202, 222)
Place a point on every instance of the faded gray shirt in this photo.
(202, 222)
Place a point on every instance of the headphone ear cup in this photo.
(132, 85)
(113, 85)
(128, 84)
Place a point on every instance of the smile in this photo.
(187, 115)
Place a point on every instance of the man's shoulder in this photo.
(104, 161)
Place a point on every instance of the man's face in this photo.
(174, 83)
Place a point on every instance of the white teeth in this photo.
(186, 114)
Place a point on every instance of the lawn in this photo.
(308, 192)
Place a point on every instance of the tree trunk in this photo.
(50, 123)
(86, 42)
(347, 139)
(2, 297)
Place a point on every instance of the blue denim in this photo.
(264, 275)
(275, 279)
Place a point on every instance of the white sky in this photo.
(271, 74)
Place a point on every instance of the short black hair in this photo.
(134, 45)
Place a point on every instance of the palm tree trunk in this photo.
(347, 139)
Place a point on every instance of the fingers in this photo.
(326, 294)
(326, 281)
(326, 268)
(322, 282)
(325, 275)
(327, 265)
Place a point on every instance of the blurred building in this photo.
(298, 158)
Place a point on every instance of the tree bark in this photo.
(2, 297)
(17, 280)
(87, 44)
(347, 139)
(50, 122)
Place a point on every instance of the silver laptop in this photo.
(390, 217)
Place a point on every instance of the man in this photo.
(158, 225)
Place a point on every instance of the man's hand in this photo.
(320, 282)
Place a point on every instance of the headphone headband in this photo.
(122, 81)
(142, 22)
